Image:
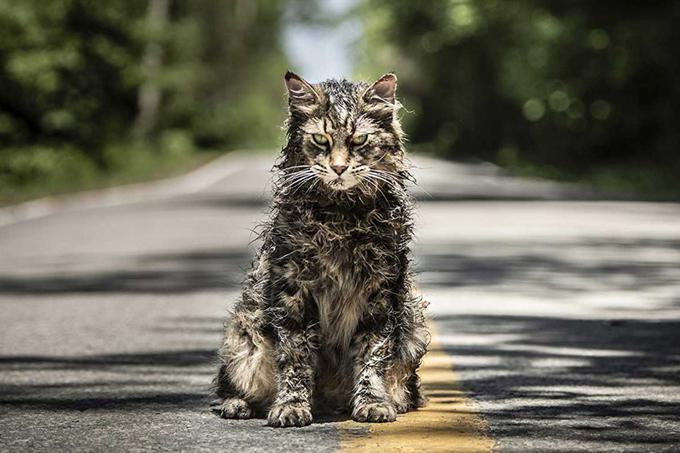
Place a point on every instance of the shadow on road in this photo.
(130, 381)
(571, 380)
(554, 270)
(173, 273)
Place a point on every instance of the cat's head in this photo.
(343, 135)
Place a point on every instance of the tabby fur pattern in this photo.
(329, 320)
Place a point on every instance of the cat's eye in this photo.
(359, 139)
(320, 139)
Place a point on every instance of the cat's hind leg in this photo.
(245, 380)
(404, 389)
(229, 404)
(415, 391)
(402, 379)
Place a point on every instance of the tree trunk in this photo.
(149, 97)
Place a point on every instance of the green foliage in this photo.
(23, 167)
(583, 88)
(72, 73)
(223, 82)
(67, 70)
(33, 171)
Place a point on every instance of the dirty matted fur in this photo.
(328, 320)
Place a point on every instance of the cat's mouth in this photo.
(341, 183)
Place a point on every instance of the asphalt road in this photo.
(561, 318)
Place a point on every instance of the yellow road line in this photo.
(447, 424)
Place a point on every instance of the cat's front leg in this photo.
(295, 357)
(371, 401)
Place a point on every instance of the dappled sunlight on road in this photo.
(560, 377)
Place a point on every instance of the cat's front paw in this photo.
(285, 415)
(232, 408)
(378, 412)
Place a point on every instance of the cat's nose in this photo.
(339, 169)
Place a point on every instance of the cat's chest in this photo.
(347, 273)
(346, 244)
(339, 290)
(340, 312)
(348, 262)
(342, 264)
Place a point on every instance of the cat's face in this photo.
(347, 135)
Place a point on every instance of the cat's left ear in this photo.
(301, 94)
(384, 90)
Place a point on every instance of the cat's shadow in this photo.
(332, 418)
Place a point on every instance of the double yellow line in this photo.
(448, 423)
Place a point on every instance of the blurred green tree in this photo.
(80, 79)
(573, 89)
(68, 70)
(232, 52)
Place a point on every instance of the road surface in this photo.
(558, 322)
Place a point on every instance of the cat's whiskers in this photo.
(384, 178)
(292, 167)
(297, 171)
(288, 179)
(363, 186)
(302, 180)
(297, 178)
(370, 179)
(386, 174)
(377, 188)
(311, 186)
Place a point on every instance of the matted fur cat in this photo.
(329, 321)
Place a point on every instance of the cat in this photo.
(329, 320)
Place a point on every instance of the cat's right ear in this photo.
(383, 90)
(301, 94)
